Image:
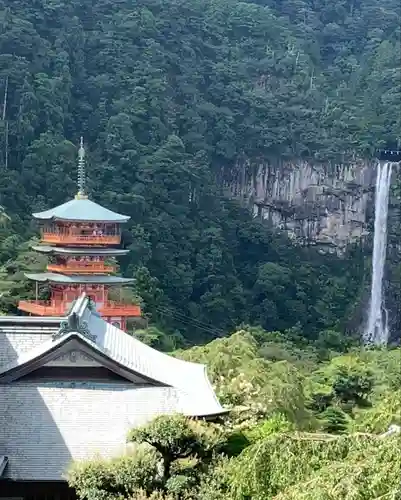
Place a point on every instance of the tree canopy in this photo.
(304, 428)
(174, 99)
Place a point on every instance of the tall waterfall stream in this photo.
(377, 326)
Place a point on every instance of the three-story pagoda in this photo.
(82, 240)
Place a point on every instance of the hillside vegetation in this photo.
(305, 424)
(172, 98)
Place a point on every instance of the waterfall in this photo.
(377, 326)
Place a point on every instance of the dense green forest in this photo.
(305, 424)
(171, 97)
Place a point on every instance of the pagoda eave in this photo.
(86, 220)
(78, 279)
(81, 210)
(106, 252)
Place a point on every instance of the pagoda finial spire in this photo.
(81, 195)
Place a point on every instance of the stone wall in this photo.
(320, 204)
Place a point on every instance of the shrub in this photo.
(114, 479)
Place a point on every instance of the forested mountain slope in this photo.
(170, 96)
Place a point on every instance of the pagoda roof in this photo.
(81, 420)
(112, 252)
(81, 210)
(78, 278)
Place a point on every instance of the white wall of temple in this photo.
(51, 424)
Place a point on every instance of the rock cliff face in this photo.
(317, 204)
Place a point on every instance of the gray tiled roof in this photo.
(77, 420)
(78, 278)
(189, 378)
(81, 210)
(112, 252)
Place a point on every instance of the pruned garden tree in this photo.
(176, 438)
(169, 455)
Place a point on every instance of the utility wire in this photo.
(186, 321)
(180, 317)
(192, 320)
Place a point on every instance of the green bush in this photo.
(274, 425)
(313, 466)
(117, 478)
(370, 471)
(334, 420)
(350, 379)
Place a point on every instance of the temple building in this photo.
(82, 240)
(72, 381)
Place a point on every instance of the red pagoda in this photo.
(82, 240)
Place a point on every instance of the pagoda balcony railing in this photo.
(50, 308)
(42, 307)
(77, 268)
(110, 309)
(80, 239)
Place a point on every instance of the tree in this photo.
(293, 467)
(351, 379)
(334, 420)
(170, 142)
(171, 439)
(176, 438)
(252, 387)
